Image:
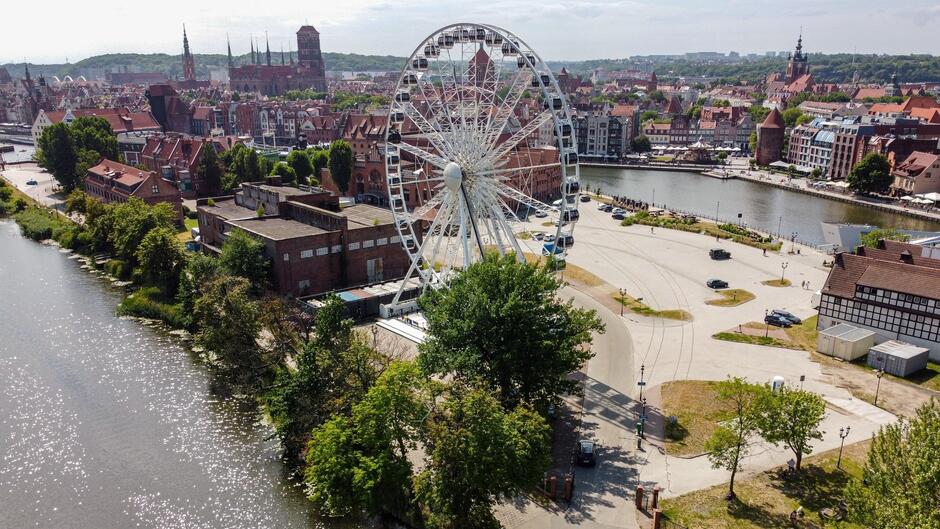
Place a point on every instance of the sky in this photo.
(557, 30)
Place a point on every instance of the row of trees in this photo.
(67, 151)
(303, 166)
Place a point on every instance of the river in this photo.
(107, 423)
(762, 207)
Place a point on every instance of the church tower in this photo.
(189, 65)
(798, 64)
(309, 56)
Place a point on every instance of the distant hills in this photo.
(832, 68)
(172, 66)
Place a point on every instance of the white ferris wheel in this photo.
(479, 149)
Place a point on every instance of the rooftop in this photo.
(227, 209)
(364, 215)
(277, 228)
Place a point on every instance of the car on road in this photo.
(540, 214)
(549, 237)
(587, 453)
(607, 208)
(618, 216)
(538, 236)
(601, 206)
(716, 283)
(719, 254)
(32, 182)
(789, 316)
(585, 198)
(777, 321)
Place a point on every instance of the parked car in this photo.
(601, 206)
(716, 283)
(32, 182)
(538, 236)
(540, 214)
(608, 208)
(787, 316)
(585, 198)
(719, 254)
(618, 216)
(777, 321)
(587, 453)
(618, 210)
(549, 237)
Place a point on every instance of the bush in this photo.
(148, 303)
(118, 268)
(39, 224)
(628, 221)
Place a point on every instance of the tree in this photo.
(132, 220)
(790, 116)
(161, 257)
(791, 417)
(320, 160)
(900, 486)
(360, 462)
(871, 238)
(341, 163)
(198, 272)
(758, 113)
(816, 173)
(57, 154)
(228, 324)
(640, 144)
(210, 170)
(300, 163)
(752, 141)
(501, 321)
(657, 96)
(285, 171)
(871, 175)
(479, 454)
(648, 115)
(243, 256)
(94, 133)
(729, 444)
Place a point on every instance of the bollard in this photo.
(655, 501)
(552, 486)
(639, 497)
(569, 486)
(657, 518)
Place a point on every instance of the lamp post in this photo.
(793, 242)
(843, 433)
(783, 270)
(623, 296)
(766, 325)
(375, 334)
(779, 222)
(879, 374)
(641, 383)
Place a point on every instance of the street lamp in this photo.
(766, 325)
(793, 242)
(783, 270)
(843, 433)
(779, 222)
(879, 374)
(641, 383)
(623, 296)
(375, 334)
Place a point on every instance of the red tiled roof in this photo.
(120, 119)
(773, 120)
(920, 278)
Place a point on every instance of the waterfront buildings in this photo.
(599, 133)
(893, 290)
(113, 182)
(770, 138)
(917, 174)
(122, 120)
(314, 245)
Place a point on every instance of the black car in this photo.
(719, 254)
(618, 216)
(585, 198)
(787, 316)
(587, 453)
(777, 321)
(716, 283)
(608, 208)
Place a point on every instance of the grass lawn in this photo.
(186, 233)
(755, 340)
(639, 307)
(805, 334)
(695, 405)
(777, 282)
(731, 297)
(928, 378)
(766, 500)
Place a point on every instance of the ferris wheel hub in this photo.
(453, 176)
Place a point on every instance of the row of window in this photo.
(353, 246)
(887, 319)
(898, 299)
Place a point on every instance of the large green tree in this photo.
(479, 454)
(729, 445)
(640, 144)
(94, 133)
(871, 175)
(791, 116)
(300, 163)
(791, 417)
(320, 160)
(160, 258)
(210, 171)
(243, 256)
(228, 322)
(132, 220)
(871, 238)
(341, 164)
(200, 270)
(900, 487)
(57, 154)
(285, 171)
(502, 322)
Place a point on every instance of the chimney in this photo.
(906, 257)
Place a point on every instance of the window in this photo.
(322, 251)
(306, 254)
(352, 246)
(303, 284)
(395, 239)
(155, 189)
(287, 257)
(336, 248)
(381, 242)
(368, 244)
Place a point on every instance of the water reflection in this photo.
(763, 207)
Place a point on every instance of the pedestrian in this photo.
(803, 285)
(651, 229)
(765, 252)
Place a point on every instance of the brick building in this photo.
(314, 245)
(770, 136)
(917, 174)
(176, 156)
(272, 79)
(113, 182)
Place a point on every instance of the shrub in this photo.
(147, 303)
(118, 268)
(39, 224)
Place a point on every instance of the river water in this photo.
(762, 207)
(107, 423)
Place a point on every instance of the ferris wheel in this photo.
(478, 151)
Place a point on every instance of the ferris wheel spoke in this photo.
(506, 107)
(508, 170)
(424, 155)
(427, 129)
(530, 128)
(522, 198)
(520, 256)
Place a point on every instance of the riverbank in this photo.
(653, 166)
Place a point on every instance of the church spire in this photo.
(228, 43)
(282, 54)
(267, 50)
(189, 64)
(185, 41)
(26, 64)
(252, 39)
